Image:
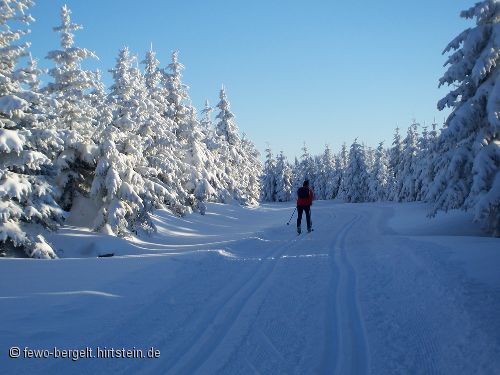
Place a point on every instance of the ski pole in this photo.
(293, 213)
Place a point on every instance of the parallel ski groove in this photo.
(225, 317)
(346, 348)
(359, 347)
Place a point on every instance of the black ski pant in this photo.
(307, 210)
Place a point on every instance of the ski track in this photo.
(411, 322)
(195, 352)
(208, 340)
(272, 344)
(247, 299)
(362, 279)
(346, 345)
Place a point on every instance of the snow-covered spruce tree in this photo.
(323, 171)
(124, 185)
(215, 144)
(329, 165)
(354, 186)
(341, 160)
(200, 175)
(319, 177)
(429, 156)
(369, 153)
(26, 195)
(284, 179)
(395, 158)
(104, 113)
(42, 116)
(269, 183)
(152, 74)
(331, 181)
(158, 124)
(406, 183)
(468, 173)
(239, 158)
(207, 127)
(423, 161)
(71, 87)
(176, 107)
(379, 177)
(226, 126)
(153, 130)
(251, 171)
(303, 169)
(161, 147)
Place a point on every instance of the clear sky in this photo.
(323, 72)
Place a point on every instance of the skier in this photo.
(305, 196)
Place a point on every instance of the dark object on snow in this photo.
(291, 216)
(300, 210)
(299, 230)
(305, 196)
(106, 255)
(303, 193)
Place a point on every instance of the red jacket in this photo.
(305, 201)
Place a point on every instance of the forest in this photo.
(141, 145)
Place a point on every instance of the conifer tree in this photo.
(251, 172)
(406, 189)
(429, 158)
(318, 179)
(269, 179)
(71, 88)
(468, 172)
(124, 185)
(242, 168)
(395, 160)
(26, 191)
(354, 186)
(304, 169)
(284, 179)
(423, 159)
(329, 183)
(379, 176)
(208, 129)
(226, 127)
(201, 171)
(176, 108)
(206, 121)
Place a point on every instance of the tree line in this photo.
(133, 148)
(454, 168)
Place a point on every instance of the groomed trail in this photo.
(238, 292)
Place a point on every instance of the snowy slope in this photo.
(375, 288)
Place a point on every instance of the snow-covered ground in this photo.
(376, 288)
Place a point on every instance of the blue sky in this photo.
(323, 72)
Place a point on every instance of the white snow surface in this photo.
(376, 288)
